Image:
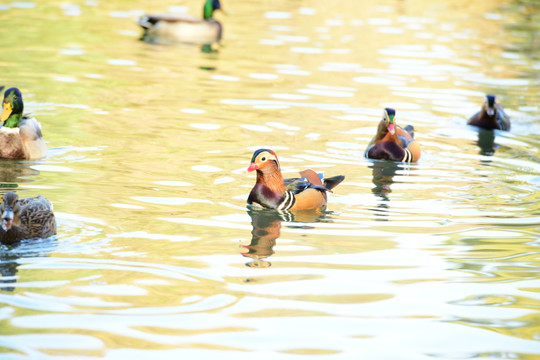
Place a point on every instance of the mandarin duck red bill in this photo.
(393, 142)
(273, 192)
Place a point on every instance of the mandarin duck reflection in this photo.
(26, 218)
(273, 192)
(491, 116)
(266, 230)
(20, 135)
(167, 29)
(383, 177)
(393, 142)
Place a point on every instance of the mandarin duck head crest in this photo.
(262, 158)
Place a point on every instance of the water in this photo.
(156, 255)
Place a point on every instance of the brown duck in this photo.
(273, 192)
(26, 218)
(491, 116)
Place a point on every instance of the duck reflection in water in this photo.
(10, 256)
(266, 230)
(383, 177)
(486, 141)
(14, 172)
(8, 269)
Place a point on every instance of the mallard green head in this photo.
(209, 7)
(12, 108)
(388, 117)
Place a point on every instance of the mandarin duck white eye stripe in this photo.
(392, 142)
(272, 191)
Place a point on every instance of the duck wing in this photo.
(149, 21)
(37, 217)
(32, 139)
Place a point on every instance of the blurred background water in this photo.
(156, 255)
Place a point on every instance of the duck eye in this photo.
(263, 158)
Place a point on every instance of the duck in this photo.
(20, 135)
(167, 29)
(393, 142)
(491, 116)
(26, 218)
(271, 191)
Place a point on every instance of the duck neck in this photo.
(384, 135)
(382, 131)
(13, 121)
(208, 9)
(272, 178)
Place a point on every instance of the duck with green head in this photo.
(20, 135)
(168, 29)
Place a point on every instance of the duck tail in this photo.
(146, 22)
(334, 181)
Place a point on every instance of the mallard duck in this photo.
(491, 116)
(271, 191)
(393, 142)
(20, 135)
(168, 29)
(26, 218)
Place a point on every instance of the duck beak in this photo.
(391, 129)
(252, 167)
(490, 111)
(7, 219)
(6, 112)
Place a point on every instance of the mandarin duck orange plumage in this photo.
(491, 116)
(393, 142)
(273, 192)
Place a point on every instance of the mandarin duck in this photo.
(26, 218)
(393, 142)
(273, 192)
(491, 116)
(167, 29)
(20, 135)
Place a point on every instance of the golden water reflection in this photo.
(147, 151)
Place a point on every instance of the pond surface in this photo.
(157, 256)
